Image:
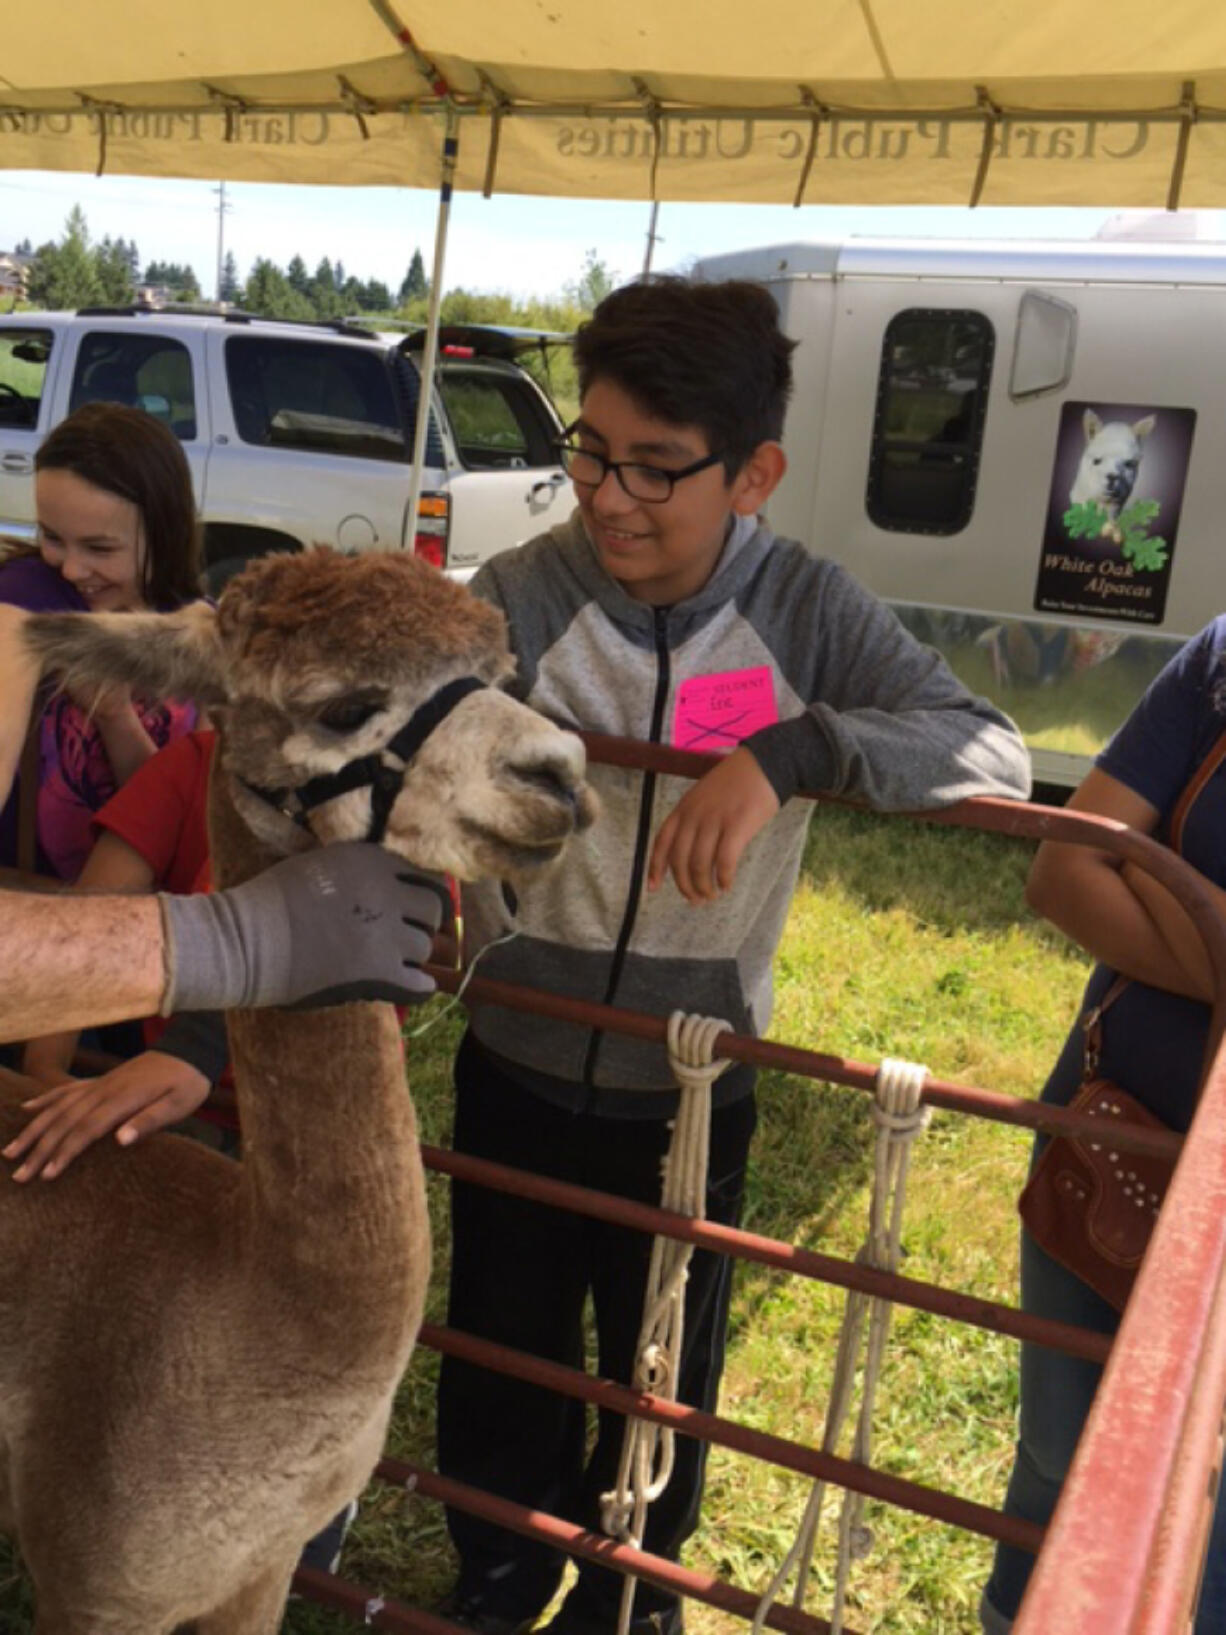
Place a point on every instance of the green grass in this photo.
(905, 940)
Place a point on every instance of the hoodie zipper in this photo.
(643, 837)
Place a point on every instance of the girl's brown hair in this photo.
(129, 453)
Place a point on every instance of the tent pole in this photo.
(651, 236)
(451, 146)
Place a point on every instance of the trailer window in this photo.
(932, 395)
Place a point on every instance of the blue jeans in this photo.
(1056, 1394)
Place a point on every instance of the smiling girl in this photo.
(117, 532)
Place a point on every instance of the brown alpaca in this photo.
(197, 1358)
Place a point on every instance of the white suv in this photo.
(300, 433)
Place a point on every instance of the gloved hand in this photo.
(347, 921)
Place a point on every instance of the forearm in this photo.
(48, 1058)
(341, 923)
(904, 760)
(125, 740)
(1177, 931)
(72, 961)
(1100, 909)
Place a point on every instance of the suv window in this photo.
(312, 396)
(497, 422)
(932, 397)
(24, 354)
(150, 372)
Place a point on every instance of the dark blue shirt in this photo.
(1154, 1041)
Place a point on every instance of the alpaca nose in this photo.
(552, 779)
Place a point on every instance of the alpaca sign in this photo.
(1111, 528)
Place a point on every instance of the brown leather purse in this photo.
(1088, 1205)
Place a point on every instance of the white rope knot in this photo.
(615, 1516)
(653, 1368)
(646, 1464)
(898, 1107)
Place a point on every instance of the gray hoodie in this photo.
(834, 696)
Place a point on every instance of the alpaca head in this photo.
(357, 697)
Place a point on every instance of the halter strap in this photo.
(385, 780)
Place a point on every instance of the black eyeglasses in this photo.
(650, 484)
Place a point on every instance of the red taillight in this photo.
(452, 349)
(433, 524)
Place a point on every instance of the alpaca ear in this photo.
(163, 655)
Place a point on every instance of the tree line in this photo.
(76, 271)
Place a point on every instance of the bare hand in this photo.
(134, 1099)
(702, 839)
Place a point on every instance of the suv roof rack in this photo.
(229, 315)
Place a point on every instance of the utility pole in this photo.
(222, 207)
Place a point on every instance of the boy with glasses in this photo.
(664, 610)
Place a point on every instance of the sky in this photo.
(521, 245)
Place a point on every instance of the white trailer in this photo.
(1022, 448)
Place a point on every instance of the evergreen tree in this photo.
(66, 274)
(40, 280)
(413, 286)
(298, 276)
(24, 248)
(178, 277)
(114, 269)
(230, 288)
(378, 297)
(322, 293)
(270, 294)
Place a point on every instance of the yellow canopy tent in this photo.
(817, 101)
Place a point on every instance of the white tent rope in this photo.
(899, 1118)
(646, 1464)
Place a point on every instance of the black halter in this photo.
(385, 781)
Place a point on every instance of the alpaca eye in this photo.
(348, 714)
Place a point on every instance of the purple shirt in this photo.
(75, 776)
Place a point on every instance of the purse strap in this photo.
(1192, 789)
(1092, 1028)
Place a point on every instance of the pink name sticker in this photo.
(714, 713)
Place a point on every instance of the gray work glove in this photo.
(347, 921)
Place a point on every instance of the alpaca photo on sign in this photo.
(1108, 468)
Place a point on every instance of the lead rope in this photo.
(647, 1450)
(899, 1119)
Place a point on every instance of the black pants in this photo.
(520, 1274)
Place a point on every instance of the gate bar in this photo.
(992, 1315)
(726, 1433)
